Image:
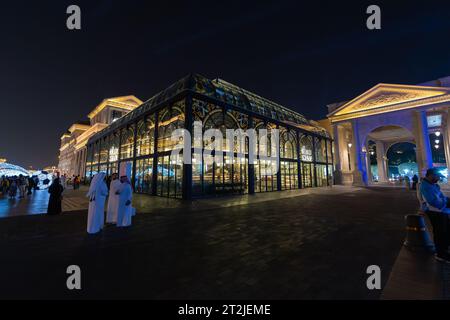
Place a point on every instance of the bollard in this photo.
(417, 237)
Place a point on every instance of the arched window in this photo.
(219, 120)
(320, 150)
(306, 149)
(114, 147)
(104, 145)
(145, 137)
(170, 119)
(288, 147)
(127, 145)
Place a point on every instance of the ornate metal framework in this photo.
(220, 105)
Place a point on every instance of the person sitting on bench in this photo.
(437, 207)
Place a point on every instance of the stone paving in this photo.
(313, 245)
(76, 200)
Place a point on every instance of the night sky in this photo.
(303, 56)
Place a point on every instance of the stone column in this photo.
(446, 138)
(359, 168)
(368, 167)
(381, 162)
(337, 154)
(425, 147)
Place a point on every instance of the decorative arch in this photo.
(365, 126)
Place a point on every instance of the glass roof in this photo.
(223, 91)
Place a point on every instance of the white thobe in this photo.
(125, 211)
(113, 202)
(96, 214)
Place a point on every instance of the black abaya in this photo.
(54, 203)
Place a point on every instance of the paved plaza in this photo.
(305, 244)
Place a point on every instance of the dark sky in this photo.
(303, 56)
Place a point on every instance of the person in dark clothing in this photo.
(54, 203)
(30, 185)
(108, 182)
(415, 180)
(437, 207)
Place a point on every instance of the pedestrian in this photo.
(13, 188)
(64, 181)
(5, 186)
(97, 196)
(55, 201)
(22, 186)
(113, 201)
(108, 182)
(30, 185)
(407, 182)
(415, 180)
(125, 192)
(437, 207)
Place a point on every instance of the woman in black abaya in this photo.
(54, 203)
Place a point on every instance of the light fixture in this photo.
(437, 133)
(364, 150)
(436, 141)
(349, 145)
(436, 146)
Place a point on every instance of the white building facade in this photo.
(72, 152)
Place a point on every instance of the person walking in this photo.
(55, 201)
(13, 188)
(22, 186)
(30, 185)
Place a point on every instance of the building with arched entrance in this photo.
(368, 127)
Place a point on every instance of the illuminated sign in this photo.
(434, 121)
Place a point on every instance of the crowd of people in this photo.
(118, 191)
(18, 185)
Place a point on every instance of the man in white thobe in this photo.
(97, 197)
(113, 201)
(125, 209)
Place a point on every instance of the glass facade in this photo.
(144, 138)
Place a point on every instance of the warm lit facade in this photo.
(384, 116)
(72, 156)
(143, 138)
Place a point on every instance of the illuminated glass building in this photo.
(143, 137)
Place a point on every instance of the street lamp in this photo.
(348, 154)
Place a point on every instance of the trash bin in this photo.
(417, 237)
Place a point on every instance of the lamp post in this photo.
(348, 154)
